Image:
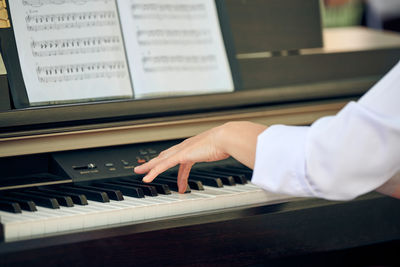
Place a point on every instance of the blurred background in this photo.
(377, 14)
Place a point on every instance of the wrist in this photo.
(221, 136)
(239, 140)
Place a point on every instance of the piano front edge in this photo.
(306, 231)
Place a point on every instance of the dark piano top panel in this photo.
(275, 24)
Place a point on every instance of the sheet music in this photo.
(70, 50)
(174, 47)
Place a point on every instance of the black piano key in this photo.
(98, 196)
(247, 172)
(239, 177)
(238, 167)
(10, 206)
(148, 190)
(27, 205)
(46, 202)
(206, 180)
(78, 199)
(172, 185)
(113, 194)
(226, 179)
(161, 188)
(62, 200)
(126, 190)
(194, 184)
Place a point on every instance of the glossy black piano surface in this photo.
(279, 231)
(93, 188)
(249, 228)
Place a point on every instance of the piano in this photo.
(68, 195)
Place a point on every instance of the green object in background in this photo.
(4, 94)
(348, 14)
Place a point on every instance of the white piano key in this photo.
(12, 230)
(130, 210)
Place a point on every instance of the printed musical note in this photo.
(39, 3)
(173, 37)
(167, 11)
(179, 63)
(71, 20)
(174, 47)
(65, 73)
(70, 50)
(76, 46)
(169, 8)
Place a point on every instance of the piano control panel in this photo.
(104, 163)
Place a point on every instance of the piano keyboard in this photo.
(36, 212)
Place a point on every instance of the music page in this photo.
(70, 50)
(174, 47)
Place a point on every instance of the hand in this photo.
(237, 139)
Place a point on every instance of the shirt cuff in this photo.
(280, 165)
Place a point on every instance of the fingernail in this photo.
(182, 189)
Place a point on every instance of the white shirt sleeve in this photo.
(338, 157)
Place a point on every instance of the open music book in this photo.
(86, 50)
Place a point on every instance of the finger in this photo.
(162, 166)
(183, 175)
(146, 167)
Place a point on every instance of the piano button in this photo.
(210, 181)
(89, 166)
(90, 194)
(113, 194)
(148, 190)
(10, 206)
(141, 161)
(247, 173)
(239, 178)
(143, 152)
(152, 151)
(126, 190)
(226, 179)
(62, 200)
(24, 204)
(78, 199)
(47, 202)
(172, 185)
(194, 184)
(161, 188)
